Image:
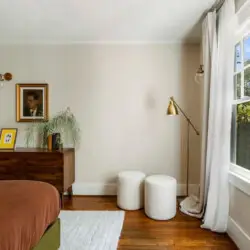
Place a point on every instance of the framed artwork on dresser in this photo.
(8, 138)
(32, 102)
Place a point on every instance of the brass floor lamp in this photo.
(173, 109)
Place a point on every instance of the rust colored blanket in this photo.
(27, 208)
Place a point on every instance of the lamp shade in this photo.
(172, 109)
(199, 75)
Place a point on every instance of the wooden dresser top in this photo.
(37, 150)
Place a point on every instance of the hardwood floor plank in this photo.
(140, 232)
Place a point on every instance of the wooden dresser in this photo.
(54, 167)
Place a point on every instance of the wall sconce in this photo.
(199, 75)
(5, 77)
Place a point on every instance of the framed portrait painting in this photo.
(8, 138)
(31, 102)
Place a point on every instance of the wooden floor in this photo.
(140, 232)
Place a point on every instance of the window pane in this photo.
(247, 51)
(233, 134)
(237, 86)
(247, 82)
(240, 143)
(237, 64)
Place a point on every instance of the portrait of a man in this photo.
(32, 102)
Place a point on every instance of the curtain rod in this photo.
(217, 5)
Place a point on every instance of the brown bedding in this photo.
(27, 208)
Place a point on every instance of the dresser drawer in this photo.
(41, 172)
(38, 159)
(11, 169)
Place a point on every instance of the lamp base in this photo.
(180, 199)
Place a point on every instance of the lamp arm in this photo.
(187, 118)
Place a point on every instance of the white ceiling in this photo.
(67, 21)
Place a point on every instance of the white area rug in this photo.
(90, 230)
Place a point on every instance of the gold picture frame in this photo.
(32, 100)
(8, 138)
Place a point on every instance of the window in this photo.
(240, 139)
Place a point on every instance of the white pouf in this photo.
(160, 197)
(130, 188)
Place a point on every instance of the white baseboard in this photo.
(238, 235)
(96, 188)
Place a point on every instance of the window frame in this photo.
(241, 36)
(243, 68)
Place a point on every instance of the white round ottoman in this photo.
(130, 188)
(160, 197)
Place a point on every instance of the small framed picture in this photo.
(31, 102)
(8, 138)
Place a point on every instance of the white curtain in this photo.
(218, 57)
(193, 205)
(219, 123)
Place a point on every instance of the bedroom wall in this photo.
(119, 94)
(239, 4)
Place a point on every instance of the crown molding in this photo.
(191, 41)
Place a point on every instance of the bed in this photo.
(29, 216)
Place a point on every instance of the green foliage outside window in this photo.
(243, 112)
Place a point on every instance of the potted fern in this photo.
(63, 123)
